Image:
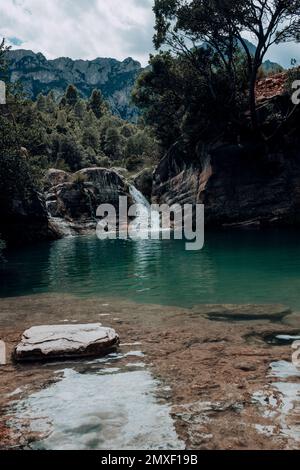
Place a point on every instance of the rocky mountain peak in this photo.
(114, 78)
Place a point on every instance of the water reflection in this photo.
(97, 408)
(237, 267)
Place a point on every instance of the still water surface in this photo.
(233, 267)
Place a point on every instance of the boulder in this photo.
(2, 353)
(53, 177)
(242, 312)
(78, 198)
(65, 341)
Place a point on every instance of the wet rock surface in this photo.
(143, 181)
(74, 199)
(63, 341)
(210, 369)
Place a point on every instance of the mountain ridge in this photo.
(113, 77)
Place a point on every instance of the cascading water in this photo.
(147, 219)
(139, 198)
(61, 225)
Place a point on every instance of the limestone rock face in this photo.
(143, 181)
(240, 186)
(77, 199)
(176, 178)
(114, 78)
(64, 341)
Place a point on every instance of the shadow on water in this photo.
(233, 267)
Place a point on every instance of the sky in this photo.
(86, 29)
(80, 29)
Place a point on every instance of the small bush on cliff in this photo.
(103, 162)
(292, 76)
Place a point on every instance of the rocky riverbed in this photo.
(224, 372)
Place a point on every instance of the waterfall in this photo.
(147, 219)
(61, 225)
(139, 198)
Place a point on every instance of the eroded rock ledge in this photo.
(72, 199)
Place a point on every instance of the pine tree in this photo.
(80, 109)
(97, 104)
(112, 146)
(61, 123)
(90, 120)
(71, 95)
(41, 103)
(50, 103)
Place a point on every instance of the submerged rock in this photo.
(293, 320)
(242, 312)
(63, 341)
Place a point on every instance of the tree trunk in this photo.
(252, 99)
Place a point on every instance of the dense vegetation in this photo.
(70, 134)
(73, 133)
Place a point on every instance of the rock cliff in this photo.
(24, 217)
(115, 79)
(253, 184)
(72, 199)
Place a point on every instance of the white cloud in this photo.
(80, 28)
(87, 29)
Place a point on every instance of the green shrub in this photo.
(292, 76)
(132, 163)
(103, 162)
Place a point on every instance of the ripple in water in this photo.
(239, 267)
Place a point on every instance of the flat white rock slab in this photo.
(64, 341)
